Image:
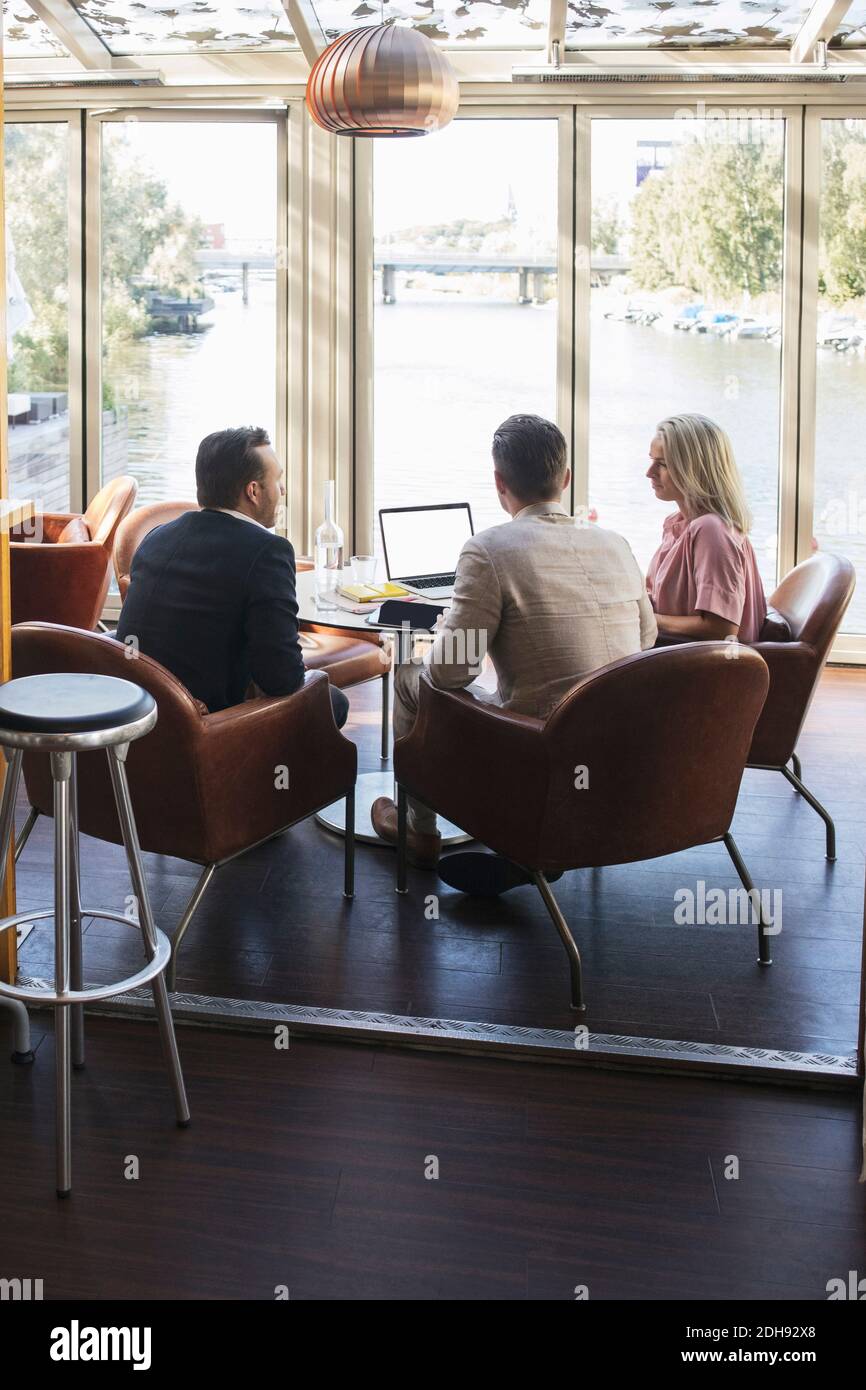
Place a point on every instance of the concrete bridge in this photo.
(602, 269)
(213, 258)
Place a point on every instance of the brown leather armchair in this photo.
(203, 785)
(663, 736)
(812, 599)
(62, 574)
(133, 529)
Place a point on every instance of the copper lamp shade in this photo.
(383, 80)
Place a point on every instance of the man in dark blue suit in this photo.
(212, 595)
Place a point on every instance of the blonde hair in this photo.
(700, 460)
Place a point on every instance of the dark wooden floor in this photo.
(306, 1168)
(274, 925)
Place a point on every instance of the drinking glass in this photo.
(364, 568)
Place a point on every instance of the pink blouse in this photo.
(705, 566)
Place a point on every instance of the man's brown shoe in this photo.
(421, 850)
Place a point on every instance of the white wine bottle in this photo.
(328, 554)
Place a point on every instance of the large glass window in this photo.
(840, 423)
(465, 285)
(37, 286)
(686, 275)
(189, 219)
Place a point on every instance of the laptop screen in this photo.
(423, 541)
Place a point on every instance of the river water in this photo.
(449, 369)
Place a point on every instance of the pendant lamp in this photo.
(386, 80)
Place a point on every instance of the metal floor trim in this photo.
(585, 1048)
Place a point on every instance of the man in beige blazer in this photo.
(547, 597)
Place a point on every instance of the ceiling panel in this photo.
(25, 35)
(673, 23)
(132, 27)
(852, 31)
(479, 23)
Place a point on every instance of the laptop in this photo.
(422, 546)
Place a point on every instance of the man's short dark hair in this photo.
(226, 461)
(531, 455)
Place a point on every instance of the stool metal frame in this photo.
(68, 995)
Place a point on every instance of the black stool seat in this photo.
(71, 703)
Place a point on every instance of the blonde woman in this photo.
(703, 580)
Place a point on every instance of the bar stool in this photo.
(64, 715)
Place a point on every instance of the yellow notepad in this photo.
(372, 593)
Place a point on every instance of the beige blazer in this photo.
(549, 599)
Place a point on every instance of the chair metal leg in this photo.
(116, 761)
(402, 834)
(386, 712)
(566, 937)
(349, 847)
(798, 766)
(794, 779)
(22, 1052)
(61, 771)
(764, 929)
(198, 893)
(7, 810)
(75, 944)
(32, 818)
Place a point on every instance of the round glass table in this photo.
(370, 785)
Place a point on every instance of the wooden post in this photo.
(8, 955)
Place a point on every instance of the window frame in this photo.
(788, 450)
(364, 520)
(93, 292)
(849, 647)
(72, 119)
(324, 303)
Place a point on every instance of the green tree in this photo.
(36, 211)
(712, 220)
(148, 243)
(606, 226)
(842, 246)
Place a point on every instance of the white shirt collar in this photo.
(540, 509)
(241, 516)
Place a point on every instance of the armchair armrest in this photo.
(786, 656)
(794, 674)
(483, 767)
(44, 526)
(268, 763)
(63, 584)
(358, 634)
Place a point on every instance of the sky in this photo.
(227, 173)
(466, 170)
(224, 172)
(218, 171)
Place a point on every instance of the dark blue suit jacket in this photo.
(212, 598)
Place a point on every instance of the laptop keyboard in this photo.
(434, 581)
